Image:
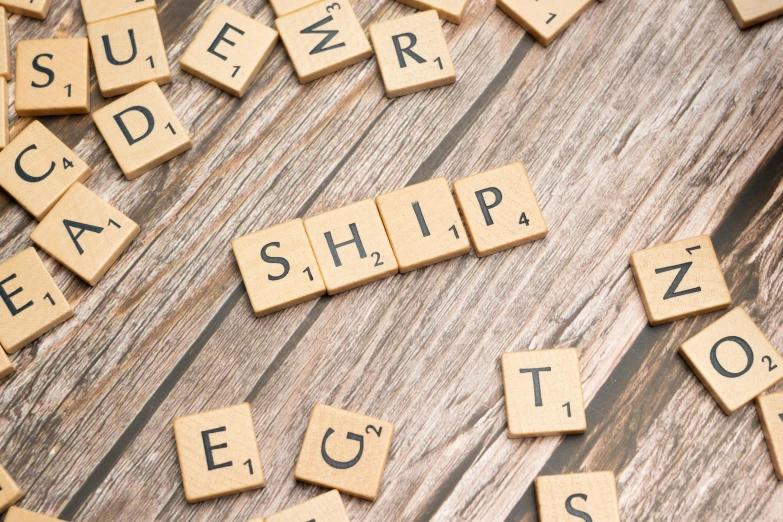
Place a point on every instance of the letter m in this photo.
(314, 29)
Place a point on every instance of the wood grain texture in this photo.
(643, 123)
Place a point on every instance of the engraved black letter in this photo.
(208, 449)
(7, 297)
(672, 291)
(425, 231)
(402, 51)
(82, 228)
(221, 37)
(40, 68)
(573, 511)
(336, 463)
(144, 112)
(483, 204)
(536, 382)
(278, 260)
(356, 239)
(24, 175)
(110, 55)
(719, 367)
(313, 29)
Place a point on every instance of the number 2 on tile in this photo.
(768, 360)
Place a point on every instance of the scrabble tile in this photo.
(6, 367)
(16, 514)
(5, 134)
(283, 7)
(52, 77)
(36, 169)
(412, 54)
(770, 408)
(5, 46)
(449, 10)
(680, 279)
(323, 508)
(85, 234)
(9, 491)
(344, 451)
(229, 50)
(544, 20)
(128, 52)
(500, 209)
(751, 12)
(351, 246)
(585, 496)
(278, 267)
(218, 453)
(30, 302)
(142, 130)
(95, 10)
(423, 224)
(32, 8)
(543, 390)
(323, 38)
(733, 359)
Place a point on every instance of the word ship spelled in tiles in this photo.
(680, 279)
(544, 20)
(95, 10)
(5, 46)
(751, 12)
(229, 50)
(52, 77)
(578, 496)
(142, 130)
(218, 453)
(423, 224)
(85, 234)
(500, 209)
(37, 168)
(733, 359)
(323, 38)
(32, 8)
(128, 52)
(543, 390)
(323, 508)
(450, 10)
(30, 302)
(770, 408)
(412, 54)
(16, 514)
(344, 451)
(6, 367)
(10, 493)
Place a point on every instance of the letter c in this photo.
(24, 175)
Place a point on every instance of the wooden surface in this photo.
(644, 122)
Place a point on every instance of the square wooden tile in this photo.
(344, 451)
(323, 508)
(229, 50)
(5, 46)
(412, 54)
(10, 493)
(283, 7)
(423, 224)
(32, 8)
(500, 209)
(733, 359)
(323, 38)
(770, 408)
(218, 453)
(6, 368)
(95, 10)
(142, 130)
(577, 496)
(5, 133)
(16, 514)
(52, 77)
(36, 169)
(751, 12)
(543, 391)
(85, 234)
(449, 10)
(351, 246)
(544, 20)
(278, 267)
(128, 52)
(680, 279)
(31, 302)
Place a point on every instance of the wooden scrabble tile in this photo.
(95, 10)
(229, 50)
(423, 224)
(585, 496)
(323, 508)
(218, 453)
(449, 10)
(412, 54)
(351, 246)
(680, 279)
(733, 359)
(85, 234)
(323, 38)
(10, 493)
(344, 451)
(142, 130)
(6, 367)
(770, 408)
(278, 267)
(31, 302)
(16, 514)
(544, 20)
(5, 134)
(52, 77)
(283, 7)
(751, 12)
(5, 46)
(128, 52)
(32, 8)
(543, 390)
(500, 209)
(36, 169)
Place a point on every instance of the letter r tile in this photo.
(577, 496)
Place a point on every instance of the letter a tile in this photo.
(577, 496)
(95, 10)
(344, 451)
(32, 8)
(733, 359)
(323, 38)
(449, 10)
(9, 491)
(770, 408)
(680, 279)
(323, 508)
(16, 514)
(751, 12)
(218, 453)
(142, 130)
(544, 20)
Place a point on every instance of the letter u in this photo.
(110, 54)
